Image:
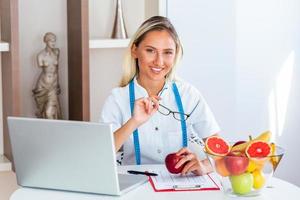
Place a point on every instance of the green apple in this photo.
(242, 184)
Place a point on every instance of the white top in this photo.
(161, 134)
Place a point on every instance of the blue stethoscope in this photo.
(136, 133)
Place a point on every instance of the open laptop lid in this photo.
(64, 155)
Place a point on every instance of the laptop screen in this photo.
(64, 155)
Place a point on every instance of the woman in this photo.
(47, 87)
(153, 113)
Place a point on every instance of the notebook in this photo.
(67, 155)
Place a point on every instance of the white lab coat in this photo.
(160, 135)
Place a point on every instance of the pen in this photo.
(142, 173)
(186, 187)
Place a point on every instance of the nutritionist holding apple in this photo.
(153, 112)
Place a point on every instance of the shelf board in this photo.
(5, 164)
(4, 46)
(108, 43)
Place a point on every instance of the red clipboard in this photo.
(183, 190)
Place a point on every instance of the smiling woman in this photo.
(156, 55)
(161, 27)
(148, 84)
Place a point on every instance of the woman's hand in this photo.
(144, 108)
(193, 163)
(142, 111)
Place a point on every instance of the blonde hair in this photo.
(155, 23)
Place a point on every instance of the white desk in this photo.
(280, 190)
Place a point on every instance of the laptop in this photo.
(67, 155)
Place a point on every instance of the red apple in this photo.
(236, 163)
(171, 160)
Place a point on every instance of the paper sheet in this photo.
(166, 180)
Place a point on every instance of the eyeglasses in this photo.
(177, 115)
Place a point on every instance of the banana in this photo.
(265, 136)
(274, 159)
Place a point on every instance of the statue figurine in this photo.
(47, 87)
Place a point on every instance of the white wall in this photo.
(35, 19)
(267, 59)
(244, 57)
(207, 31)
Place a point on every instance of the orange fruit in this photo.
(265, 136)
(216, 145)
(258, 149)
(221, 167)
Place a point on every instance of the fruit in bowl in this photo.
(236, 164)
(216, 145)
(244, 167)
(242, 184)
(238, 142)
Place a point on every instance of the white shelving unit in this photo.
(4, 46)
(5, 164)
(108, 43)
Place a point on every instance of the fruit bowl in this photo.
(241, 175)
